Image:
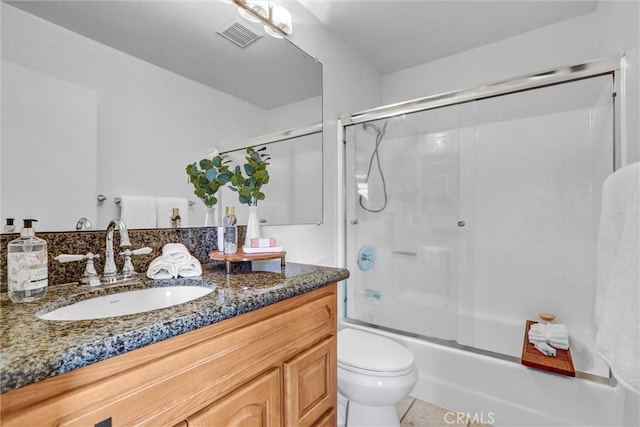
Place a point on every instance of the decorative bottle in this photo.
(176, 220)
(230, 231)
(27, 272)
(9, 227)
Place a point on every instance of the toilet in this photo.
(374, 374)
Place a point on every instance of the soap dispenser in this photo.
(27, 272)
(9, 227)
(176, 220)
(230, 231)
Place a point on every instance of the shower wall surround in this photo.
(492, 217)
(199, 240)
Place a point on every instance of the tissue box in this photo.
(263, 243)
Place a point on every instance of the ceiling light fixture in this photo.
(277, 19)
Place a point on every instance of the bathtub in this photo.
(486, 389)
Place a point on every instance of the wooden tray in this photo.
(241, 256)
(560, 364)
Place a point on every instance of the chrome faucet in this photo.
(83, 224)
(110, 269)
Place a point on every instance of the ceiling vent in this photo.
(238, 33)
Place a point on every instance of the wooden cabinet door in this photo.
(310, 384)
(256, 404)
(329, 419)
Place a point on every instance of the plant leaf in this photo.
(210, 174)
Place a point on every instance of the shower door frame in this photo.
(613, 66)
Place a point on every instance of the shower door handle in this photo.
(461, 223)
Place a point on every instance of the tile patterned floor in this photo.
(416, 413)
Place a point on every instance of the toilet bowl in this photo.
(374, 374)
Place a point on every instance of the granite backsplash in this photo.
(199, 240)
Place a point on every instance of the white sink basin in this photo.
(129, 302)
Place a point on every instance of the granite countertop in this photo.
(33, 349)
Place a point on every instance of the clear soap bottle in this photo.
(230, 231)
(27, 271)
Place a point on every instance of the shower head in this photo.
(367, 125)
(379, 131)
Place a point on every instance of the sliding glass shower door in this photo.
(466, 220)
(404, 200)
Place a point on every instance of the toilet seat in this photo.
(374, 372)
(371, 354)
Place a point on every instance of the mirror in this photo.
(116, 98)
(294, 176)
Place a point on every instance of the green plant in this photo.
(248, 188)
(208, 178)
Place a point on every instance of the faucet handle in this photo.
(90, 276)
(128, 269)
(142, 251)
(63, 258)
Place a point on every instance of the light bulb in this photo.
(281, 18)
(260, 7)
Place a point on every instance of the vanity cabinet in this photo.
(310, 384)
(256, 404)
(275, 366)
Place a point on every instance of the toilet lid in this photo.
(364, 350)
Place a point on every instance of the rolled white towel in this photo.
(553, 328)
(562, 344)
(176, 253)
(542, 336)
(162, 269)
(545, 348)
(557, 335)
(191, 268)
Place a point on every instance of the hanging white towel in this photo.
(161, 269)
(164, 210)
(138, 211)
(618, 281)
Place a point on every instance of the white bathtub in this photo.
(504, 393)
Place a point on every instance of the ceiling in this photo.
(180, 36)
(390, 35)
(394, 35)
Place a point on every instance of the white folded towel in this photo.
(138, 211)
(544, 348)
(175, 253)
(161, 269)
(556, 335)
(164, 210)
(618, 284)
(562, 344)
(546, 336)
(550, 329)
(175, 261)
(191, 268)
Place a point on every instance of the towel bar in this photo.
(117, 200)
